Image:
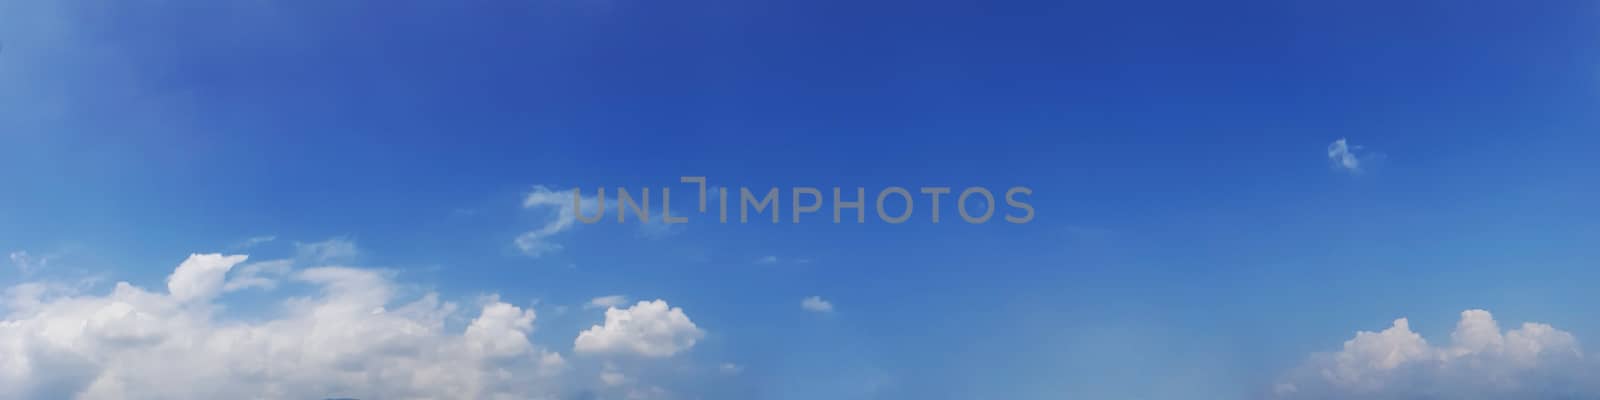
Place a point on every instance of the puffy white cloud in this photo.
(649, 329)
(1533, 361)
(816, 304)
(200, 277)
(343, 341)
(564, 214)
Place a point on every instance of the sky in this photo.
(1231, 200)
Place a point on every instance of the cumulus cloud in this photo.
(353, 338)
(1482, 361)
(563, 216)
(816, 304)
(648, 329)
(1343, 155)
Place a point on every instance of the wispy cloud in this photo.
(767, 260)
(563, 215)
(27, 264)
(332, 251)
(606, 302)
(254, 241)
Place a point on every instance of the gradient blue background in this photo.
(1192, 239)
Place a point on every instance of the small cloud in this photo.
(606, 302)
(730, 368)
(767, 260)
(816, 304)
(1344, 156)
(651, 329)
(255, 241)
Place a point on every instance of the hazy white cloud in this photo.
(610, 376)
(730, 369)
(343, 341)
(648, 329)
(767, 260)
(606, 302)
(816, 304)
(264, 275)
(27, 264)
(1343, 155)
(255, 241)
(1482, 361)
(333, 251)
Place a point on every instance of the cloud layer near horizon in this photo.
(1482, 361)
(355, 337)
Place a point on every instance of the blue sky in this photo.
(1194, 238)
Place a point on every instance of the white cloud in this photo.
(1533, 361)
(343, 341)
(536, 243)
(730, 369)
(816, 304)
(606, 302)
(264, 275)
(200, 278)
(1343, 155)
(649, 329)
(767, 260)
